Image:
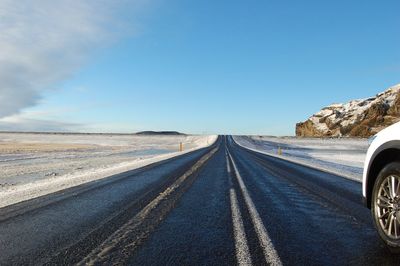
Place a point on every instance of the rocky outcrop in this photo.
(358, 118)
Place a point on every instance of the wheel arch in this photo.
(381, 159)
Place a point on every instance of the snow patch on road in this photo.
(34, 165)
(344, 157)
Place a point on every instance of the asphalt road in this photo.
(220, 205)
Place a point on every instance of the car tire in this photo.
(384, 202)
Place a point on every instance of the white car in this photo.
(381, 184)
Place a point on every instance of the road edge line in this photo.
(294, 161)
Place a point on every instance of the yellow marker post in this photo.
(181, 146)
(279, 151)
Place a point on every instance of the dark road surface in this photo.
(221, 205)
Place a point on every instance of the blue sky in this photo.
(237, 67)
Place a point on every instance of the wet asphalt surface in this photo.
(311, 217)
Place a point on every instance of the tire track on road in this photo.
(121, 244)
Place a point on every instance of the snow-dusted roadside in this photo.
(344, 157)
(34, 165)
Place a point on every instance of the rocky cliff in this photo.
(358, 118)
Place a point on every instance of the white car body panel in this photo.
(387, 135)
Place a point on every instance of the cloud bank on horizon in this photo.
(44, 42)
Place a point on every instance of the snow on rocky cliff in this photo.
(358, 118)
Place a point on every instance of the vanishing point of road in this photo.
(220, 205)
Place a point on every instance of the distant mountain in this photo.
(358, 118)
(167, 133)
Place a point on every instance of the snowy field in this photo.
(36, 164)
(344, 156)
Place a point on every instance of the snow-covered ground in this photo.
(37, 164)
(343, 156)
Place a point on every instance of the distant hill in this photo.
(166, 133)
(358, 118)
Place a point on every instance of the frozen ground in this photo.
(36, 164)
(344, 156)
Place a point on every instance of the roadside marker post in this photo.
(181, 146)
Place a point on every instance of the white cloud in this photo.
(50, 121)
(43, 42)
(19, 122)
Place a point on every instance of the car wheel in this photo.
(386, 205)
